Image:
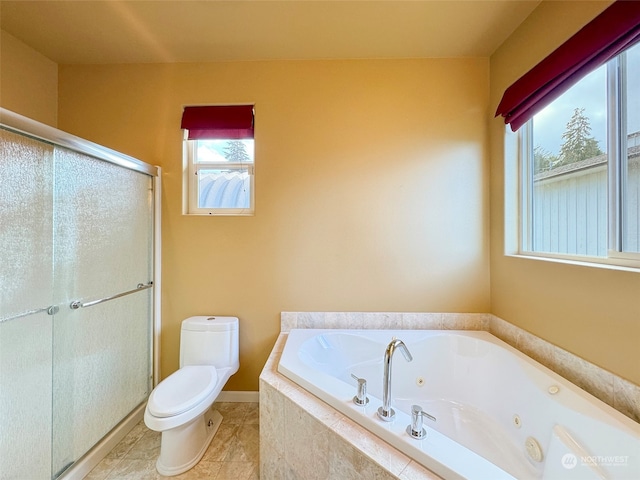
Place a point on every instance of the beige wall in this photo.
(371, 187)
(592, 312)
(28, 81)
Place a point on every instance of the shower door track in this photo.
(52, 135)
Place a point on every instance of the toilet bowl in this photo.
(181, 405)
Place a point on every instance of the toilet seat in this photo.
(182, 390)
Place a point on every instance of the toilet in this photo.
(181, 405)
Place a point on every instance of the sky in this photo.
(591, 94)
(213, 150)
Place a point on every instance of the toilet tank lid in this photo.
(211, 323)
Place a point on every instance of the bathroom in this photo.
(380, 182)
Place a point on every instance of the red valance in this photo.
(614, 30)
(218, 122)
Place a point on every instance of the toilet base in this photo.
(182, 447)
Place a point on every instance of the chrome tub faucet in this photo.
(385, 412)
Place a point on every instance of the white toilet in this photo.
(180, 406)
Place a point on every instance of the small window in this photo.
(219, 160)
(581, 168)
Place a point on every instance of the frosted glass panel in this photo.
(26, 245)
(101, 372)
(25, 285)
(102, 361)
(102, 227)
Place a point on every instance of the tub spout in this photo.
(385, 412)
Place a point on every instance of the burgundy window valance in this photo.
(614, 30)
(218, 122)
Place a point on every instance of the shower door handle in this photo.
(75, 305)
(52, 310)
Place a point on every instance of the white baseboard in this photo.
(238, 397)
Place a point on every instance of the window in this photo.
(580, 168)
(220, 175)
(219, 160)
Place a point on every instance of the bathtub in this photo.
(499, 414)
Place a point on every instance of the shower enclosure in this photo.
(77, 296)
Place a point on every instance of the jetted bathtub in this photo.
(499, 414)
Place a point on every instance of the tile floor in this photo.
(232, 455)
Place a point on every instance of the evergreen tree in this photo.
(543, 160)
(235, 151)
(578, 143)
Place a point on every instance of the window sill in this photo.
(623, 265)
(216, 214)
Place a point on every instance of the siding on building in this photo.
(224, 190)
(570, 207)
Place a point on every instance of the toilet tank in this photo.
(209, 340)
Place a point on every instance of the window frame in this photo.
(521, 144)
(191, 169)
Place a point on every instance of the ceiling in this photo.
(160, 31)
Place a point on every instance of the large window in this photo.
(580, 181)
(218, 160)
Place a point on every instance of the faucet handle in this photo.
(361, 396)
(415, 430)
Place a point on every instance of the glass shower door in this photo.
(102, 363)
(26, 293)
